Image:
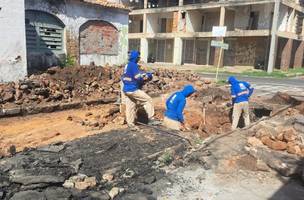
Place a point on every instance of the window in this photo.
(44, 32)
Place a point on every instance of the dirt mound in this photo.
(81, 83)
(282, 99)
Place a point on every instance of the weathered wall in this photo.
(74, 14)
(135, 23)
(248, 51)
(154, 21)
(12, 40)
(283, 18)
(242, 15)
(194, 21)
(211, 19)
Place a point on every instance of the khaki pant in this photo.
(238, 109)
(172, 124)
(132, 99)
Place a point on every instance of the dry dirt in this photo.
(41, 129)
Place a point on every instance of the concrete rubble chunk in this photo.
(52, 148)
(100, 195)
(29, 195)
(28, 180)
(54, 193)
(115, 191)
(88, 182)
(76, 164)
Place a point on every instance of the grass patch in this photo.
(255, 73)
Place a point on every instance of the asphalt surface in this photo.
(268, 86)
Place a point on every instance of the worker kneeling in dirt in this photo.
(133, 79)
(174, 118)
(240, 93)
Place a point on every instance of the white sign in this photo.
(220, 44)
(219, 31)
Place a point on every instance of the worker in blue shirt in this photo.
(240, 93)
(133, 79)
(174, 118)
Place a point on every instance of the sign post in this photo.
(219, 32)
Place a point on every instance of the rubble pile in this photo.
(104, 166)
(81, 83)
(282, 138)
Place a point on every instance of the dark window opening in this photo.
(253, 21)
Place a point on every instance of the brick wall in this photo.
(98, 37)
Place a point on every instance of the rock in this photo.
(4, 183)
(293, 148)
(145, 189)
(289, 135)
(52, 70)
(8, 97)
(28, 180)
(24, 87)
(129, 173)
(68, 184)
(150, 179)
(199, 83)
(54, 193)
(76, 164)
(28, 195)
(34, 186)
(115, 191)
(88, 182)
(279, 145)
(70, 118)
(52, 148)
(100, 195)
(12, 150)
(45, 92)
(108, 177)
(253, 141)
(267, 141)
(262, 166)
(78, 178)
(207, 81)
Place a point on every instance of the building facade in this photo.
(42, 33)
(266, 34)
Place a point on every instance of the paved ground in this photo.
(268, 86)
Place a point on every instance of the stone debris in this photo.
(82, 83)
(115, 191)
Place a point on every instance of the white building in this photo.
(37, 34)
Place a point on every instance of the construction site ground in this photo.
(88, 152)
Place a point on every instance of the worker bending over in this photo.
(133, 79)
(240, 93)
(174, 118)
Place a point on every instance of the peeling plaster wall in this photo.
(12, 40)
(242, 15)
(74, 14)
(283, 18)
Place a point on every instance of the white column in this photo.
(178, 51)
(144, 50)
(274, 38)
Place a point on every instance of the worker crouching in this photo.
(175, 104)
(133, 80)
(240, 93)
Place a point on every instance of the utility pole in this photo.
(274, 37)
